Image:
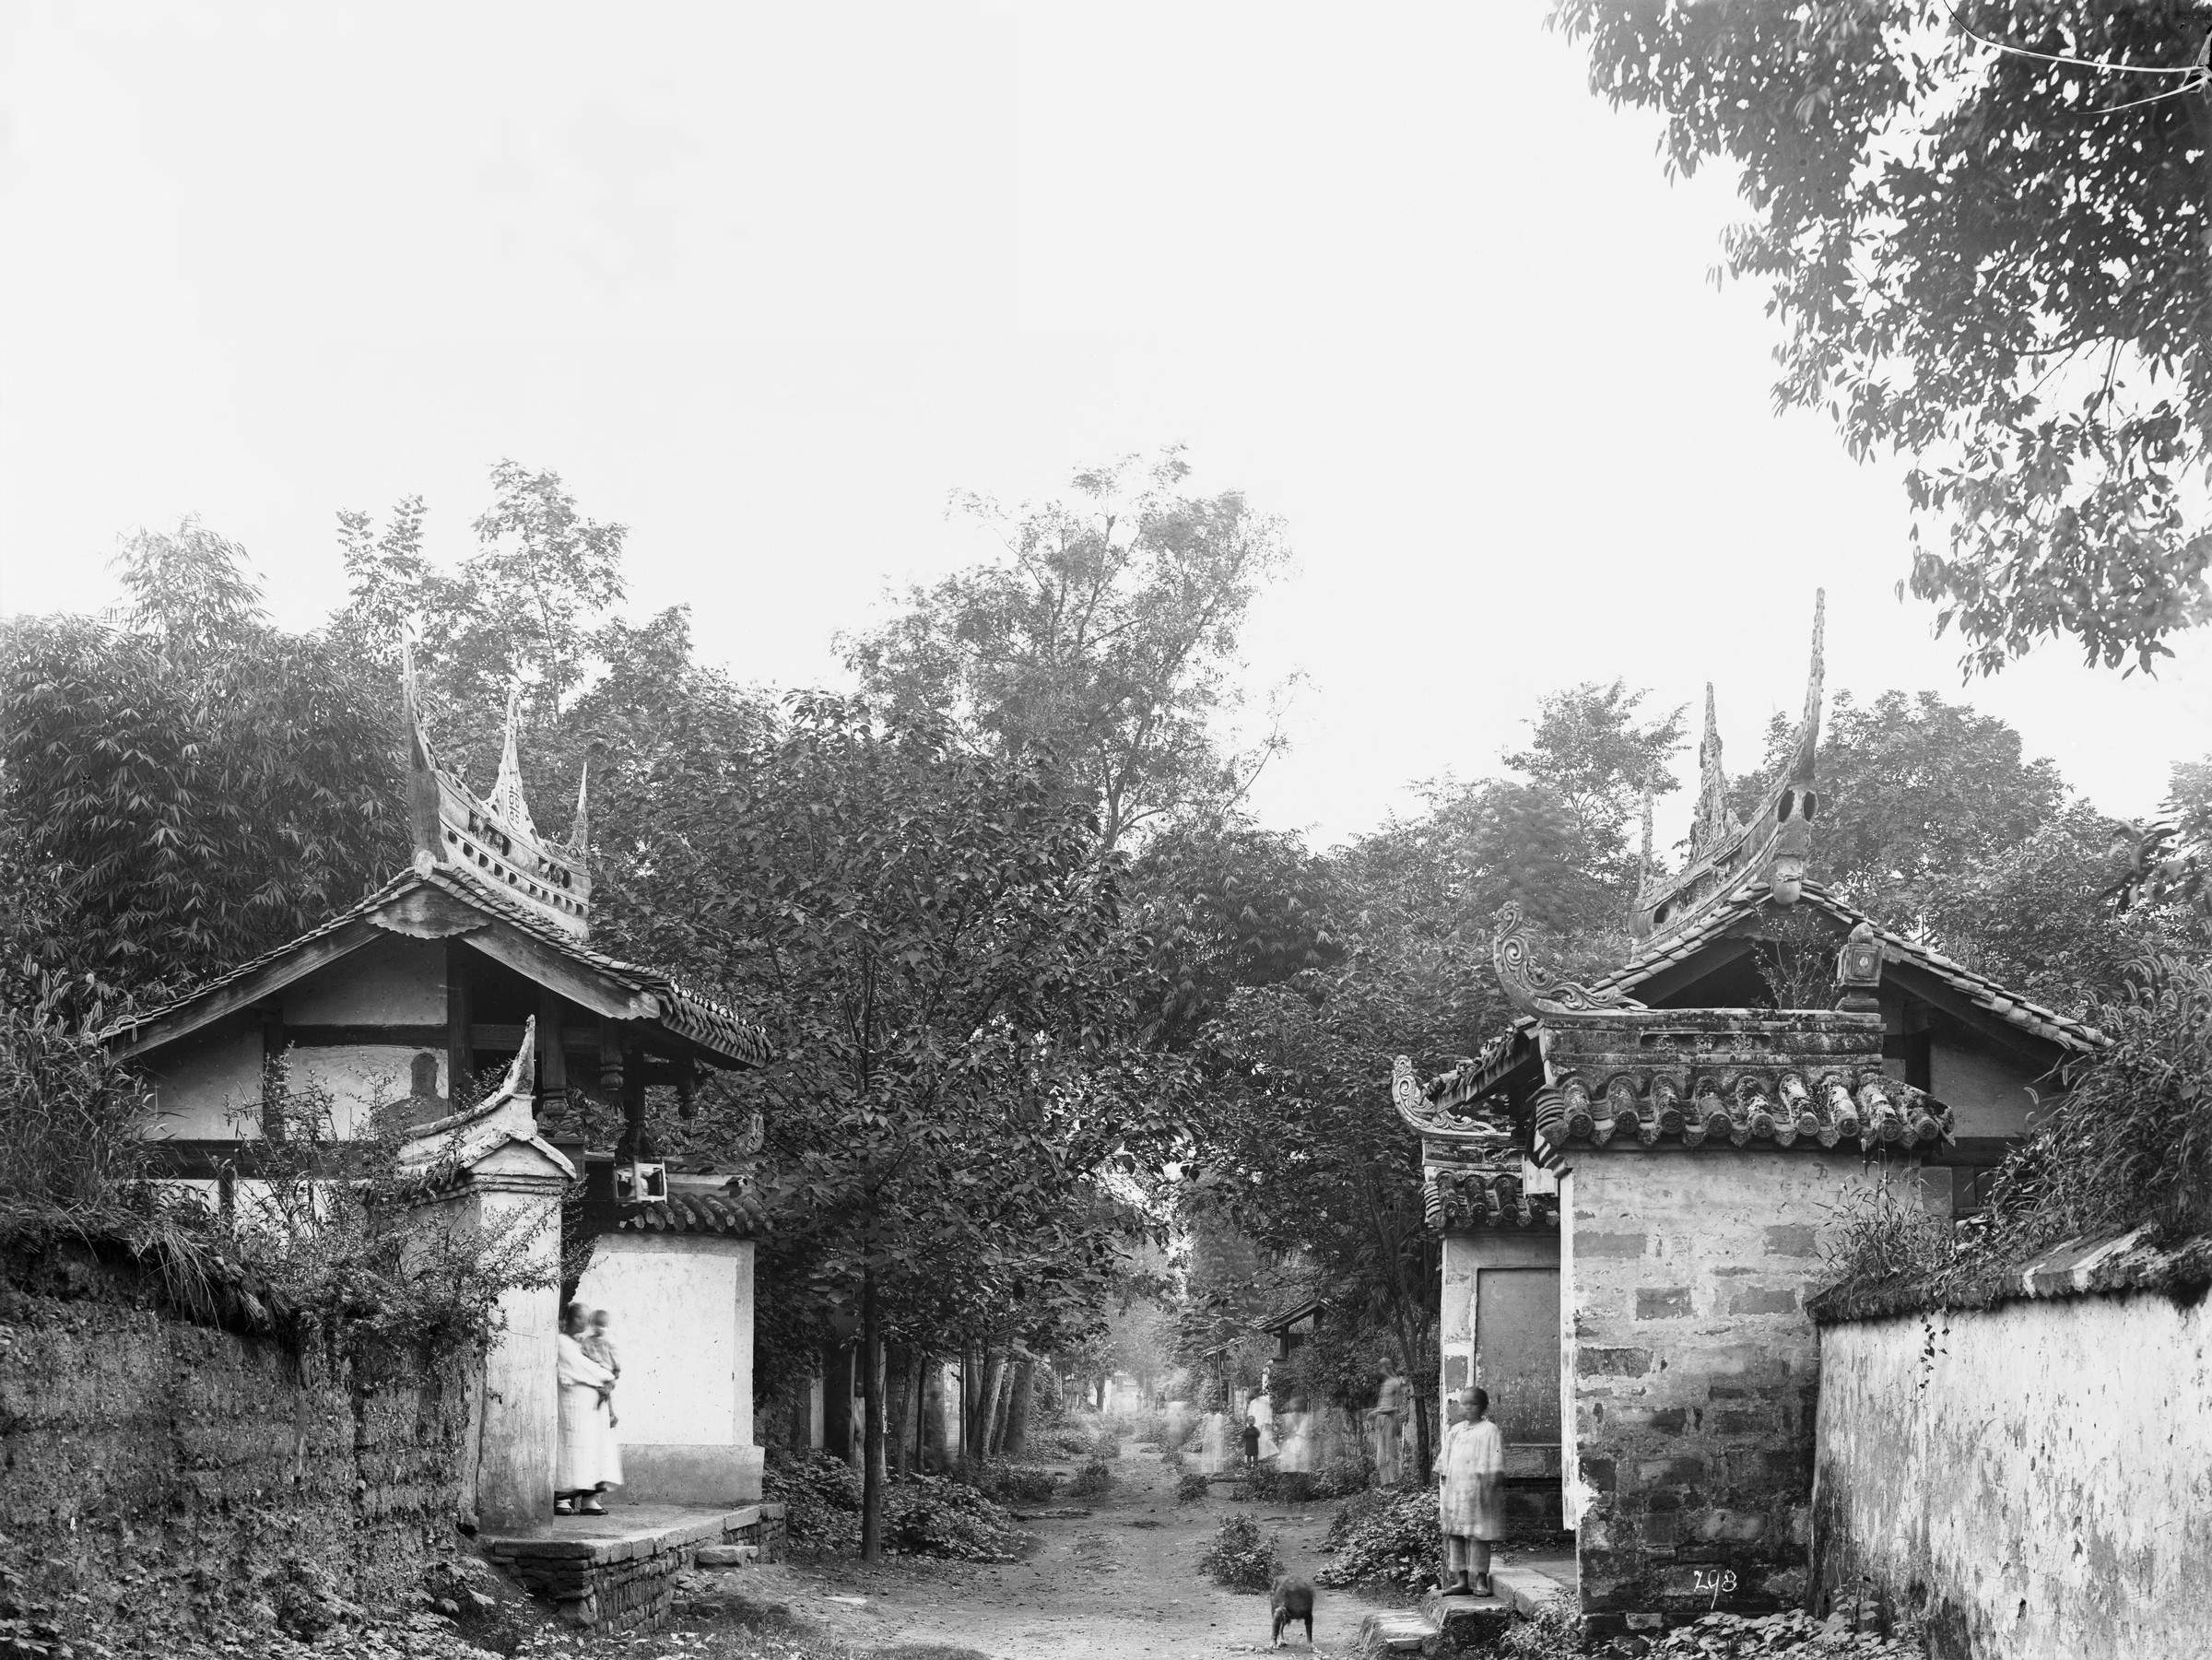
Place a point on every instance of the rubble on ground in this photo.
(1738, 1637)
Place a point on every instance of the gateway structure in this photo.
(474, 966)
(1632, 1180)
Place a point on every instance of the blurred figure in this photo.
(584, 1467)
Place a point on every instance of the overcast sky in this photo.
(766, 283)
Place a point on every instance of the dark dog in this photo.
(1291, 1597)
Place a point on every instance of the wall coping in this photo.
(2090, 1266)
(617, 1543)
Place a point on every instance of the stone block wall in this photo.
(2035, 1483)
(169, 1472)
(1695, 1376)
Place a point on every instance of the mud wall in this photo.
(163, 1474)
(2034, 1478)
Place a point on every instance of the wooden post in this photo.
(633, 1096)
(610, 1061)
(459, 1050)
(552, 1059)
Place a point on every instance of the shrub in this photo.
(1191, 1485)
(1238, 1557)
(1013, 1483)
(1069, 1442)
(923, 1516)
(935, 1515)
(821, 1500)
(305, 1258)
(1096, 1476)
(1385, 1538)
(1107, 1446)
(1551, 1634)
(1344, 1477)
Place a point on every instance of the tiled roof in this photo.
(702, 1020)
(1711, 924)
(736, 1213)
(1458, 1199)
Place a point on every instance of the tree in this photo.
(1983, 232)
(1917, 794)
(1587, 746)
(1106, 639)
(937, 948)
(527, 608)
(184, 788)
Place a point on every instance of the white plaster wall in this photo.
(394, 981)
(1987, 1096)
(683, 1324)
(683, 1327)
(209, 1088)
(516, 1416)
(2045, 1474)
(359, 1078)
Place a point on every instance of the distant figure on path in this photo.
(1387, 1423)
(1252, 1445)
(1470, 1470)
(586, 1465)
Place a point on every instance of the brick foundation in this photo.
(624, 1579)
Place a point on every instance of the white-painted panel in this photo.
(683, 1327)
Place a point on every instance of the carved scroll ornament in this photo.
(1529, 993)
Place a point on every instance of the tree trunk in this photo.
(994, 1381)
(871, 1463)
(1017, 1410)
(898, 1435)
(921, 1398)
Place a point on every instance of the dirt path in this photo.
(1122, 1581)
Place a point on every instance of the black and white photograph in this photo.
(1021, 830)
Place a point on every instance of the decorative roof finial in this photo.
(427, 847)
(490, 843)
(1715, 820)
(507, 789)
(580, 832)
(1799, 802)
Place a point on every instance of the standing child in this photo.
(1470, 1471)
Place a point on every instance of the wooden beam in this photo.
(545, 967)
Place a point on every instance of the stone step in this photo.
(1464, 1621)
(1393, 1635)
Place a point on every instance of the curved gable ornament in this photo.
(1473, 1132)
(1530, 995)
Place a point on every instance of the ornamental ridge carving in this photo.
(1470, 1132)
(1525, 990)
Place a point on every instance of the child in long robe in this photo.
(1470, 1472)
